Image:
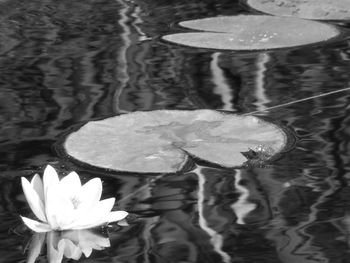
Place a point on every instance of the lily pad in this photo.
(161, 141)
(310, 9)
(251, 32)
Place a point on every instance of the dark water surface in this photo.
(63, 63)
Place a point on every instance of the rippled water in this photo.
(63, 63)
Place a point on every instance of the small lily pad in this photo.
(161, 141)
(250, 32)
(310, 9)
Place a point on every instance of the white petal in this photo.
(88, 198)
(71, 184)
(116, 216)
(33, 200)
(38, 186)
(50, 208)
(65, 214)
(59, 209)
(50, 178)
(97, 215)
(90, 194)
(35, 225)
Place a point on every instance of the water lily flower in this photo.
(66, 204)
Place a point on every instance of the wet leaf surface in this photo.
(311, 9)
(252, 32)
(161, 141)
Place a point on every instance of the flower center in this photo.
(75, 201)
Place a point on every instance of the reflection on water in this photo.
(222, 87)
(67, 244)
(67, 62)
(260, 93)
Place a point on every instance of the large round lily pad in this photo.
(251, 32)
(161, 141)
(309, 9)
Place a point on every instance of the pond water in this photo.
(65, 62)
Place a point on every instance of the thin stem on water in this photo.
(297, 101)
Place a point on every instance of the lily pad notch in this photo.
(252, 32)
(161, 141)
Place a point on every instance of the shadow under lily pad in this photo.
(252, 32)
(161, 141)
(310, 9)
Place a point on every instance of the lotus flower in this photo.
(66, 204)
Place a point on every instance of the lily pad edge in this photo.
(189, 161)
